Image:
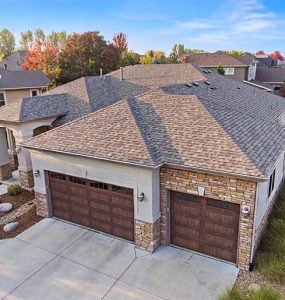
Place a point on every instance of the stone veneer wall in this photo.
(41, 204)
(259, 231)
(147, 235)
(5, 172)
(27, 179)
(217, 187)
(13, 161)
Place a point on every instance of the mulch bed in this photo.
(25, 221)
(17, 200)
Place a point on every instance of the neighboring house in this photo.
(14, 61)
(171, 155)
(274, 77)
(234, 68)
(18, 84)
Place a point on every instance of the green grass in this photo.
(270, 258)
(264, 293)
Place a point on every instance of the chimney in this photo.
(101, 73)
(122, 73)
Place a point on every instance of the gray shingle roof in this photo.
(13, 61)
(22, 79)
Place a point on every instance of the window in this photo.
(271, 183)
(221, 204)
(99, 185)
(76, 180)
(34, 93)
(121, 190)
(2, 99)
(229, 71)
(58, 176)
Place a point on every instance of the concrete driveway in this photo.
(57, 260)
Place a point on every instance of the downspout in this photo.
(251, 264)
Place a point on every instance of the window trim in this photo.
(271, 184)
(229, 73)
(34, 90)
(5, 97)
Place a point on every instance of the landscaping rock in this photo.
(5, 207)
(254, 287)
(10, 227)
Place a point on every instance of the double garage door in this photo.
(204, 225)
(104, 207)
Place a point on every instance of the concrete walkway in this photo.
(57, 260)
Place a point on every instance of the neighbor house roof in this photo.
(274, 75)
(13, 61)
(88, 94)
(22, 79)
(214, 59)
(217, 125)
(247, 58)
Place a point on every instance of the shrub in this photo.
(264, 293)
(14, 189)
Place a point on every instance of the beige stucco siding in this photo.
(240, 73)
(12, 95)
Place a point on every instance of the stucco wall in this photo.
(139, 179)
(12, 95)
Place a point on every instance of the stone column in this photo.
(12, 150)
(25, 163)
(5, 168)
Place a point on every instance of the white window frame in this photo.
(271, 184)
(35, 90)
(5, 97)
(229, 71)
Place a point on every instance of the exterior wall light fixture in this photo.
(141, 197)
(36, 173)
(245, 210)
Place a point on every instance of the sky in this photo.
(248, 25)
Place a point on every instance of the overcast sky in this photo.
(205, 24)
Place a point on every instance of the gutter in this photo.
(257, 85)
(23, 88)
(32, 120)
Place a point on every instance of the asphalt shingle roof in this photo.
(13, 61)
(22, 79)
(226, 127)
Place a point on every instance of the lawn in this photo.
(270, 259)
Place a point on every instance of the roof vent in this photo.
(209, 72)
(188, 85)
(207, 82)
(122, 73)
(101, 73)
(213, 87)
(238, 88)
(205, 71)
(196, 83)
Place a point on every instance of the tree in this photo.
(179, 52)
(260, 52)
(120, 42)
(40, 35)
(236, 52)
(44, 58)
(7, 42)
(220, 69)
(26, 41)
(153, 57)
(85, 54)
(276, 55)
(129, 58)
(58, 39)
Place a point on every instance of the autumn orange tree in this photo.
(85, 54)
(120, 42)
(43, 57)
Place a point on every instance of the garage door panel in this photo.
(98, 205)
(59, 195)
(221, 229)
(184, 208)
(189, 244)
(213, 229)
(186, 221)
(60, 186)
(221, 253)
(99, 196)
(122, 212)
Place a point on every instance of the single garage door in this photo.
(104, 207)
(204, 225)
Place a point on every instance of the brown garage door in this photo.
(98, 205)
(204, 225)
